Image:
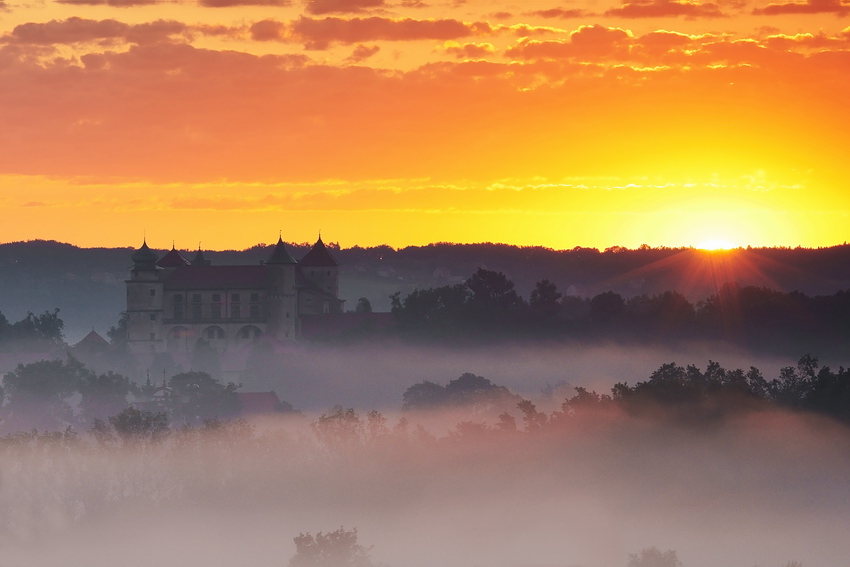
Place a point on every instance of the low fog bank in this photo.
(316, 377)
(760, 488)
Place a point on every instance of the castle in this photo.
(173, 304)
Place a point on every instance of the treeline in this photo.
(39, 395)
(87, 283)
(487, 305)
(40, 331)
(684, 393)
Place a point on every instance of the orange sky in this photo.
(536, 122)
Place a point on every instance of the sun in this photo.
(714, 244)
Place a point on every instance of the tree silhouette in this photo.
(653, 557)
(544, 299)
(334, 549)
(197, 396)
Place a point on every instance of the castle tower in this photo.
(282, 298)
(321, 268)
(145, 303)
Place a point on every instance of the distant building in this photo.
(175, 305)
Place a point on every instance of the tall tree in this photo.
(38, 393)
(198, 397)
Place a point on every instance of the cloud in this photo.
(267, 30)
(205, 114)
(229, 3)
(320, 33)
(362, 52)
(665, 9)
(318, 7)
(810, 7)
(114, 3)
(808, 41)
(469, 50)
(560, 13)
(79, 30)
(592, 42)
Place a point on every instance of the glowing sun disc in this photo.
(715, 244)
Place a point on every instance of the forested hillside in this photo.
(87, 284)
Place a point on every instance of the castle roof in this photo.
(218, 277)
(281, 255)
(319, 256)
(172, 260)
(144, 257)
(199, 259)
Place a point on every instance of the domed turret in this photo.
(144, 258)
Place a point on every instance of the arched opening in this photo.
(249, 332)
(214, 332)
(178, 338)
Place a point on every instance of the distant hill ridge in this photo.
(87, 284)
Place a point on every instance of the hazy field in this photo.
(761, 490)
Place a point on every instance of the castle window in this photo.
(236, 311)
(196, 310)
(255, 297)
(196, 298)
(234, 297)
(255, 311)
(216, 310)
(216, 298)
(178, 305)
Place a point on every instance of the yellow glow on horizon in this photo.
(559, 214)
(715, 244)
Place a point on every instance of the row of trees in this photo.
(488, 305)
(684, 392)
(44, 330)
(40, 395)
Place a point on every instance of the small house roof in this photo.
(92, 341)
